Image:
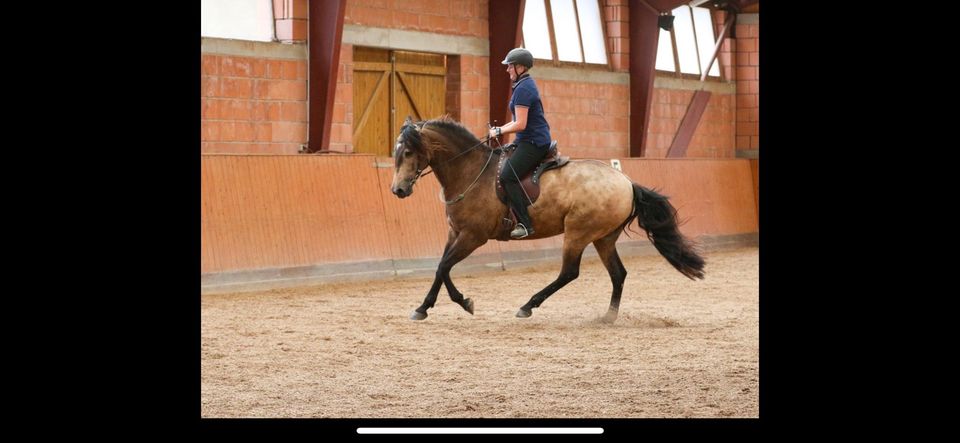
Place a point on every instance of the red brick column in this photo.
(616, 18)
(475, 93)
(747, 74)
(341, 127)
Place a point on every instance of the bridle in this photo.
(460, 196)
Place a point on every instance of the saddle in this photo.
(530, 182)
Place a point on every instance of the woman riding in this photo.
(532, 139)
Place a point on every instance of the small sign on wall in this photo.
(616, 164)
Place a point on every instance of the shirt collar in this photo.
(522, 77)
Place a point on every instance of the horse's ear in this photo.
(408, 121)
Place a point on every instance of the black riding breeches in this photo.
(526, 158)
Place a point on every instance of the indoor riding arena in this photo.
(320, 257)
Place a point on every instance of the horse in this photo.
(587, 200)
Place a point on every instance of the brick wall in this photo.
(252, 104)
(589, 120)
(259, 103)
(341, 127)
(714, 135)
(475, 93)
(616, 17)
(726, 55)
(455, 17)
(747, 75)
(452, 100)
(467, 81)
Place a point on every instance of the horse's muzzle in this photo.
(400, 192)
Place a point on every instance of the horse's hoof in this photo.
(609, 317)
(523, 313)
(418, 315)
(468, 306)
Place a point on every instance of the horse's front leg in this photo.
(431, 298)
(459, 246)
(468, 244)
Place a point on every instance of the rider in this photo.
(532, 139)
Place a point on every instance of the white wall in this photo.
(237, 19)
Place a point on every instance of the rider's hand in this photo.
(493, 132)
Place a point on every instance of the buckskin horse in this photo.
(586, 200)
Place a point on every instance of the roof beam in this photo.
(644, 34)
(505, 18)
(689, 124)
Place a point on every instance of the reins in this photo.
(448, 160)
(460, 196)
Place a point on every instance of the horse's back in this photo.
(583, 193)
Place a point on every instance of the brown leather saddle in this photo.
(530, 182)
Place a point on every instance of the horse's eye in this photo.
(407, 153)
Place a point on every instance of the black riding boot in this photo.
(522, 161)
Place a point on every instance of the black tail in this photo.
(659, 218)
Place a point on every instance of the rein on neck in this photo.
(419, 171)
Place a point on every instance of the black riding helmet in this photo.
(518, 56)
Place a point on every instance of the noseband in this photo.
(419, 174)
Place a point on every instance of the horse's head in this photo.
(410, 158)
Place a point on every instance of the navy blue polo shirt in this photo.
(525, 93)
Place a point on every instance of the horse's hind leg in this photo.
(459, 246)
(607, 249)
(569, 271)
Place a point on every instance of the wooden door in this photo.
(387, 87)
(372, 71)
(420, 86)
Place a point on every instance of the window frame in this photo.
(676, 55)
(556, 62)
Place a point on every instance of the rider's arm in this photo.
(515, 126)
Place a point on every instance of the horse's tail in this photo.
(659, 218)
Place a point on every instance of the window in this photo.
(686, 45)
(536, 37)
(692, 40)
(703, 26)
(237, 19)
(567, 31)
(665, 52)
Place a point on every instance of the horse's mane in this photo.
(453, 127)
(450, 128)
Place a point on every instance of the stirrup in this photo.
(520, 232)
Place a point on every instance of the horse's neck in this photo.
(456, 174)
